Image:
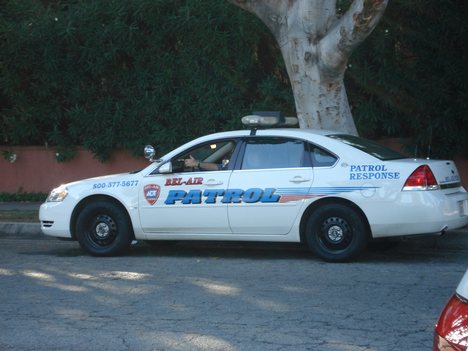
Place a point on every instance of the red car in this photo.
(451, 332)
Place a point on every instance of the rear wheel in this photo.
(336, 232)
(103, 229)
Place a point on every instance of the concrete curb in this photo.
(21, 229)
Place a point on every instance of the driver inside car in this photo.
(205, 166)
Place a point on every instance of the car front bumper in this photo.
(55, 219)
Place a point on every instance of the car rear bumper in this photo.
(419, 212)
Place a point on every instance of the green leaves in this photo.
(122, 74)
(409, 79)
(116, 74)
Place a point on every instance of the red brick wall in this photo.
(36, 169)
(462, 165)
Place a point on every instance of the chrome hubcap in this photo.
(102, 230)
(335, 233)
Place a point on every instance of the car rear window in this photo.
(264, 153)
(370, 147)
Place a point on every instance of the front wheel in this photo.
(103, 229)
(336, 232)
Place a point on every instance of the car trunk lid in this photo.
(446, 173)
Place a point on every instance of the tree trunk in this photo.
(316, 45)
(321, 100)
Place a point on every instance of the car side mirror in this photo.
(165, 168)
(149, 153)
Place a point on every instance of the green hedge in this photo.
(21, 196)
(122, 74)
(409, 78)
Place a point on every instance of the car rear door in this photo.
(269, 185)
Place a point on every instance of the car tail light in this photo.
(421, 179)
(451, 332)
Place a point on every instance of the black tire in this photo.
(336, 233)
(103, 229)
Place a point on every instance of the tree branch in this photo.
(350, 30)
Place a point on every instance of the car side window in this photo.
(273, 152)
(211, 156)
(321, 157)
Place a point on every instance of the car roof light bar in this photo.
(267, 120)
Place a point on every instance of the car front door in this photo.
(187, 200)
(273, 177)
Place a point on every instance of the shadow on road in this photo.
(399, 251)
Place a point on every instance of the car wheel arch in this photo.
(90, 199)
(331, 200)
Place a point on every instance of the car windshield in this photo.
(370, 147)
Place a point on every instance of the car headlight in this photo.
(58, 194)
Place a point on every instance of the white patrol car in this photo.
(332, 191)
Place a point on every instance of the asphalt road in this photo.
(209, 296)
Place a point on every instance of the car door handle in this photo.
(299, 179)
(211, 182)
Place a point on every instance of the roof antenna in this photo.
(429, 146)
